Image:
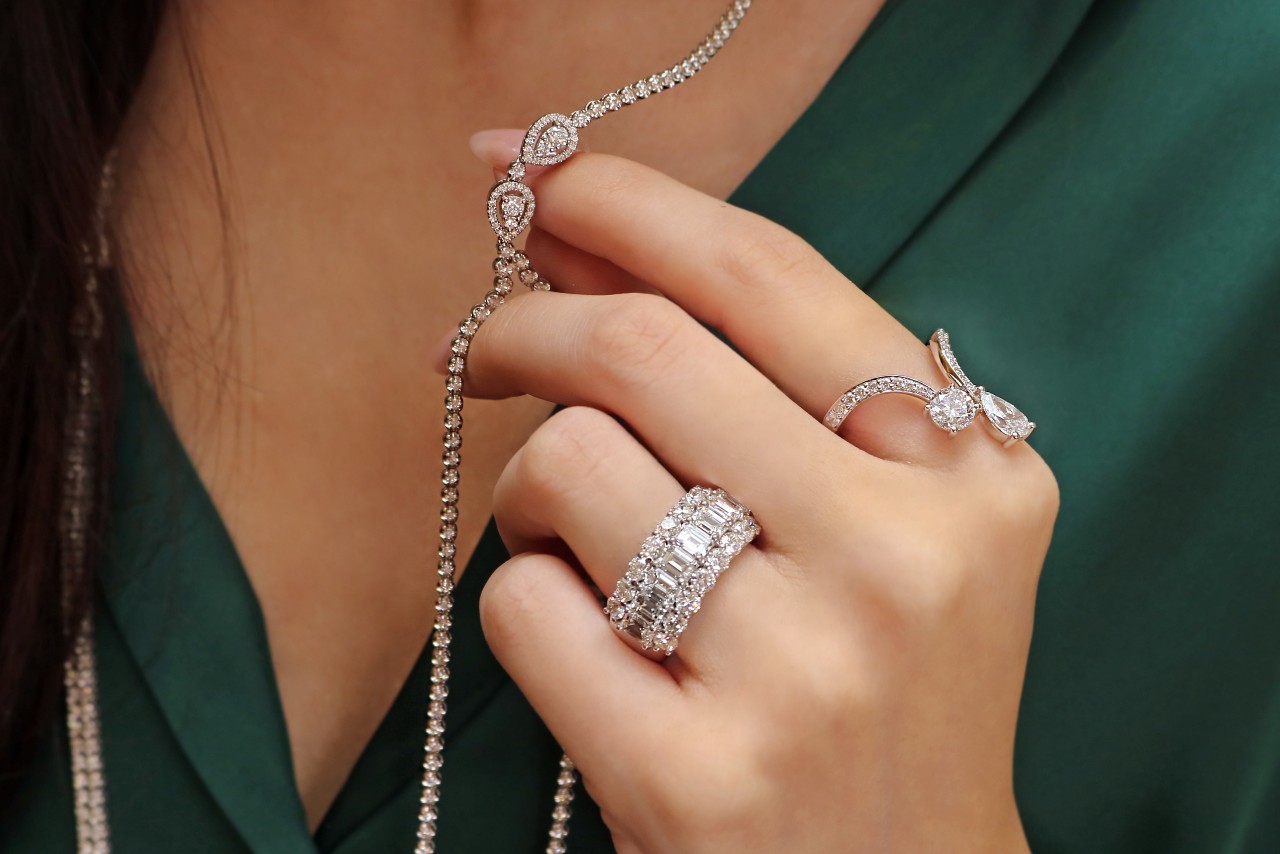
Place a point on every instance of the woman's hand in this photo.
(852, 681)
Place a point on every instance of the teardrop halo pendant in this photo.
(550, 140)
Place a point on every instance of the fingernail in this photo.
(442, 352)
(497, 147)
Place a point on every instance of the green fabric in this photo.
(1088, 196)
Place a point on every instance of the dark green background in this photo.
(1088, 197)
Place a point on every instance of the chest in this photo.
(357, 238)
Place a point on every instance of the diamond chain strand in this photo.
(510, 210)
(83, 722)
(79, 478)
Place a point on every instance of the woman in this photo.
(1084, 193)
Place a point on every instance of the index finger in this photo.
(793, 315)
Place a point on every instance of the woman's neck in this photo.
(300, 220)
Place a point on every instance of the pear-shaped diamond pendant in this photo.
(551, 139)
(510, 209)
(1008, 419)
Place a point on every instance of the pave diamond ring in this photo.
(952, 408)
(677, 564)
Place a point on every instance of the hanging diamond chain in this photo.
(84, 405)
(510, 265)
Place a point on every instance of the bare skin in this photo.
(292, 350)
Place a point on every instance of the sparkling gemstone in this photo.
(652, 548)
(550, 140)
(710, 519)
(1005, 417)
(723, 509)
(654, 601)
(512, 207)
(694, 539)
(679, 560)
(553, 142)
(952, 409)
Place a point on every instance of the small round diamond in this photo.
(952, 409)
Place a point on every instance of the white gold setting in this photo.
(863, 391)
(952, 408)
(677, 565)
(510, 208)
(551, 139)
(1007, 420)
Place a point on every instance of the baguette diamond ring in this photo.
(677, 565)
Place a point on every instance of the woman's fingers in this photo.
(575, 271)
(546, 629)
(703, 410)
(794, 316)
(582, 478)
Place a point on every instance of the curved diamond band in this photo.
(952, 408)
(677, 565)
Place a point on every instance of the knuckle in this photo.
(510, 600)
(765, 253)
(613, 180)
(637, 339)
(920, 582)
(711, 801)
(1021, 496)
(564, 452)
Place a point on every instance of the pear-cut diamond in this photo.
(1006, 417)
(550, 140)
(553, 142)
(952, 409)
(511, 206)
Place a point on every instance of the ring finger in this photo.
(584, 480)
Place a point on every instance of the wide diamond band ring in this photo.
(952, 408)
(677, 565)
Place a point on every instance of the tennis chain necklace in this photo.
(550, 140)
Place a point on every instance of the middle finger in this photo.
(697, 405)
(797, 318)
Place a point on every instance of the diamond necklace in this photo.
(550, 140)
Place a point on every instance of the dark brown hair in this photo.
(68, 71)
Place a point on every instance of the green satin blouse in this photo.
(1088, 196)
